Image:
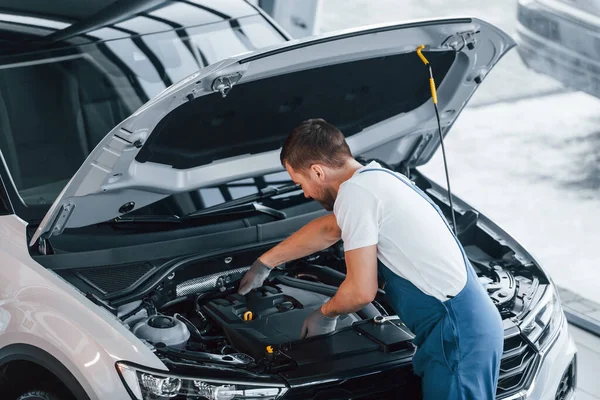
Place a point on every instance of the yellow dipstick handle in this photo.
(270, 349)
(248, 316)
(433, 92)
(431, 81)
(421, 56)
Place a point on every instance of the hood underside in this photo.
(229, 120)
(256, 117)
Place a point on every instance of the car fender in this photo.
(39, 309)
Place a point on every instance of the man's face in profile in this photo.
(314, 186)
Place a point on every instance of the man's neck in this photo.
(346, 172)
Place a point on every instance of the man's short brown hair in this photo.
(315, 141)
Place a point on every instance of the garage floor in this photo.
(588, 355)
(583, 311)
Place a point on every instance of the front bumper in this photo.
(558, 44)
(555, 376)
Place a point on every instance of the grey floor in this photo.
(588, 345)
(588, 364)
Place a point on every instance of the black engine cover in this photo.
(278, 313)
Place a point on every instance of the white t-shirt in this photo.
(412, 238)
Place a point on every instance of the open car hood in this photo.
(229, 120)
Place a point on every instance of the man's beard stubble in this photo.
(327, 199)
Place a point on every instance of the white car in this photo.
(561, 39)
(126, 288)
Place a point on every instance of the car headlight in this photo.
(544, 320)
(146, 385)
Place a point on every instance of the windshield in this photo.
(55, 106)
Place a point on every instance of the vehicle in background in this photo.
(299, 18)
(561, 39)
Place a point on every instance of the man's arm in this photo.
(360, 286)
(312, 237)
(358, 214)
(317, 235)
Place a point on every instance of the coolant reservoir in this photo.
(162, 328)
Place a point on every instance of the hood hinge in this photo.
(43, 246)
(460, 40)
(223, 84)
(418, 149)
(59, 223)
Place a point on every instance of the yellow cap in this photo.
(248, 316)
(270, 349)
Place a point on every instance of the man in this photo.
(391, 228)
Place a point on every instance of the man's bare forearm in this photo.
(346, 300)
(312, 237)
(360, 286)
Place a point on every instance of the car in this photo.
(141, 178)
(561, 39)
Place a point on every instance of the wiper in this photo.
(265, 193)
(147, 219)
(243, 205)
(253, 207)
(250, 208)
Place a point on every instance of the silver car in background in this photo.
(561, 39)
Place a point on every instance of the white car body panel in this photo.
(40, 309)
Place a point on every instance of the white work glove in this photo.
(317, 323)
(254, 277)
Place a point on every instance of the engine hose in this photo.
(145, 304)
(133, 312)
(194, 331)
(227, 347)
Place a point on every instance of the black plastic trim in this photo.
(25, 352)
(177, 247)
(137, 283)
(148, 251)
(149, 285)
(355, 34)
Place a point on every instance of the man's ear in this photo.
(318, 171)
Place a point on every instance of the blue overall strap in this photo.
(424, 196)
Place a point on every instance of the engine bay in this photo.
(202, 320)
(261, 330)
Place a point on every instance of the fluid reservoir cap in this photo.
(162, 329)
(285, 306)
(162, 322)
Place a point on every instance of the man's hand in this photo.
(254, 277)
(317, 323)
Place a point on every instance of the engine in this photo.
(270, 315)
(229, 327)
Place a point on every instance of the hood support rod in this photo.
(437, 115)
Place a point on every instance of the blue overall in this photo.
(459, 341)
